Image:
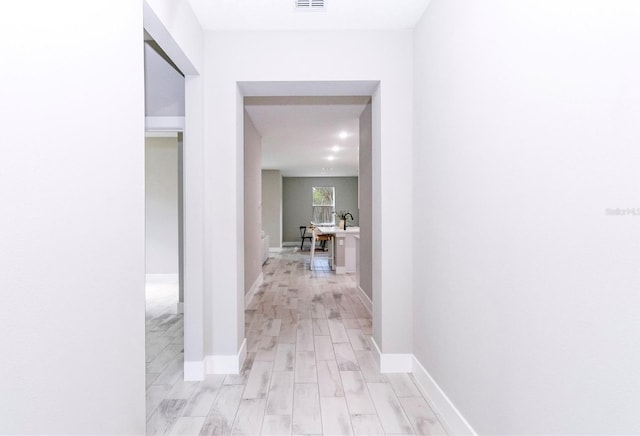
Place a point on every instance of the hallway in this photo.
(309, 367)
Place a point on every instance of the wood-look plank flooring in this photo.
(309, 367)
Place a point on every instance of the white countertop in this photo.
(338, 231)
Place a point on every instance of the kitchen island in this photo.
(343, 248)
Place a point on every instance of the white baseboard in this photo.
(275, 249)
(162, 278)
(392, 362)
(226, 363)
(180, 307)
(252, 291)
(193, 370)
(445, 410)
(366, 301)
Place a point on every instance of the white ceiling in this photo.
(299, 134)
(282, 14)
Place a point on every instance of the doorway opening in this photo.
(306, 133)
(164, 223)
(164, 291)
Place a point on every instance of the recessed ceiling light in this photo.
(330, 157)
(343, 134)
(335, 148)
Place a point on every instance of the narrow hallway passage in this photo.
(309, 367)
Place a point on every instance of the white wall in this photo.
(161, 204)
(526, 302)
(272, 206)
(173, 25)
(231, 57)
(253, 247)
(72, 244)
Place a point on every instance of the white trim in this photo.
(161, 134)
(392, 362)
(252, 291)
(164, 124)
(157, 30)
(180, 307)
(445, 410)
(226, 363)
(366, 301)
(242, 354)
(375, 352)
(275, 249)
(162, 277)
(193, 370)
(304, 88)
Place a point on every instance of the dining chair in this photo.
(303, 236)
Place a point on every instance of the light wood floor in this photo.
(309, 368)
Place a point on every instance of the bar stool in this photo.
(323, 238)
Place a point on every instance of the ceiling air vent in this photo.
(310, 5)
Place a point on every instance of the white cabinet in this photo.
(345, 250)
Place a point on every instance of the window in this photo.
(324, 202)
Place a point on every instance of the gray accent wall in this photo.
(180, 217)
(252, 206)
(297, 201)
(161, 205)
(272, 206)
(364, 159)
